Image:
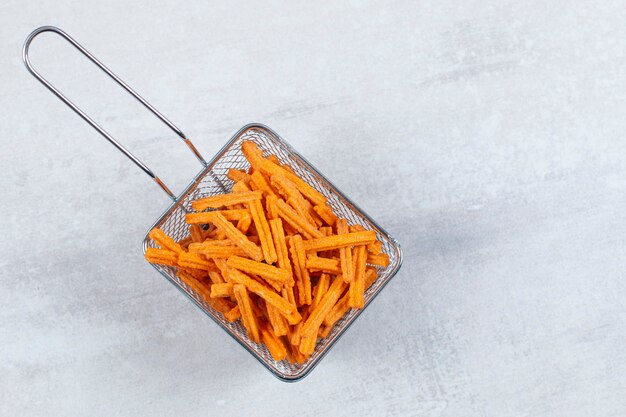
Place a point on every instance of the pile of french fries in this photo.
(274, 255)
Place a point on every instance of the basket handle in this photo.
(88, 119)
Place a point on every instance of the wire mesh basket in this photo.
(213, 179)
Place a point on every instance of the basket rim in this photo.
(306, 369)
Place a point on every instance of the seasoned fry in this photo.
(164, 241)
(196, 234)
(161, 256)
(210, 250)
(342, 306)
(221, 200)
(222, 290)
(258, 183)
(216, 277)
(278, 322)
(239, 187)
(249, 320)
(339, 241)
(204, 217)
(192, 260)
(257, 268)
(263, 229)
(236, 236)
(262, 291)
(345, 253)
(298, 258)
(269, 168)
(252, 153)
(282, 256)
(375, 248)
(329, 299)
(320, 289)
(326, 214)
(274, 345)
(296, 221)
(378, 260)
(233, 314)
(315, 263)
(357, 286)
(238, 175)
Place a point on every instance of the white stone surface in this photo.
(488, 138)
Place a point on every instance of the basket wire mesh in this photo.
(213, 180)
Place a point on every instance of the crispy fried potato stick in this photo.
(248, 318)
(263, 229)
(282, 256)
(164, 241)
(357, 286)
(161, 256)
(315, 263)
(326, 214)
(222, 290)
(265, 271)
(296, 221)
(298, 258)
(221, 200)
(252, 250)
(339, 241)
(262, 291)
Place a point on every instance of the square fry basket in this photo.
(213, 179)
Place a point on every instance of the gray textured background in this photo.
(487, 138)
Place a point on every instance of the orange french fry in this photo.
(196, 234)
(252, 153)
(381, 259)
(222, 290)
(262, 291)
(233, 314)
(192, 260)
(269, 168)
(357, 286)
(216, 277)
(288, 295)
(274, 159)
(203, 218)
(307, 344)
(221, 200)
(375, 248)
(197, 286)
(198, 274)
(282, 256)
(265, 271)
(326, 214)
(277, 321)
(238, 188)
(237, 175)
(244, 223)
(270, 207)
(324, 331)
(339, 241)
(210, 243)
(210, 250)
(342, 306)
(248, 318)
(252, 250)
(293, 197)
(161, 256)
(164, 241)
(345, 253)
(315, 263)
(320, 289)
(315, 319)
(295, 220)
(258, 183)
(274, 345)
(263, 229)
(295, 356)
(298, 258)
(185, 242)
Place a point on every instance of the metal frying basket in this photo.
(213, 179)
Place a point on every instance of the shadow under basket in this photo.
(213, 180)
